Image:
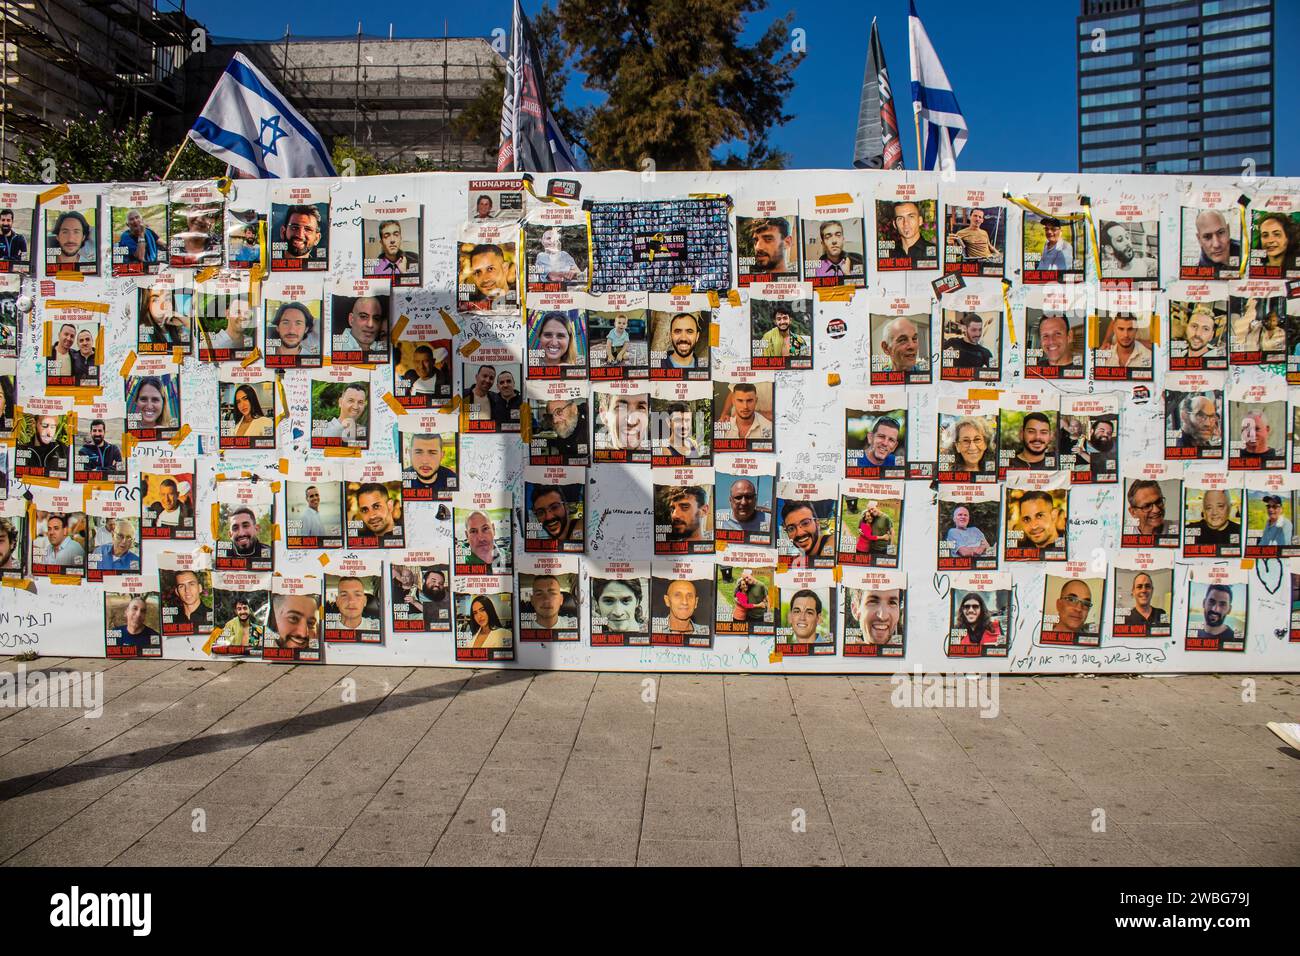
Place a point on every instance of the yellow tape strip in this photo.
(525, 422)
(1006, 304)
(832, 378)
(180, 436)
(65, 580)
(203, 275)
(452, 325)
(714, 300)
(284, 403)
(715, 333)
(683, 289)
(178, 354)
(398, 327)
(342, 452)
(253, 356)
(397, 407)
(733, 298)
(1245, 241)
(128, 444)
(263, 261)
(835, 293)
(1094, 332)
(1092, 234)
(775, 657)
(24, 584)
(67, 275)
(983, 394)
(42, 480)
(1154, 322)
(127, 364)
(77, 304)
(283, 466)
(212, 639)
(323, 558)
(833, 199)
(719, 546)
(54, 192)
(216, 519)
(470, 347)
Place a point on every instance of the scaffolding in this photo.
(63, 59)
(395, 98)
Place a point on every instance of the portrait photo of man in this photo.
(1215, 526)
(969, 352)
(773, 247)
(811, 544)
(552, 514)
(488, 277)
(299, 234)
(745, 513)
(1124, 252)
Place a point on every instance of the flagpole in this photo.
(168, 173)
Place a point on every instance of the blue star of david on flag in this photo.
(248, 124)
(272, 125)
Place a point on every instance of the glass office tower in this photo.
(1176, 86)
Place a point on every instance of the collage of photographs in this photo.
(348, 421)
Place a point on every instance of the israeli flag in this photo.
(249, 125)
(943, 127)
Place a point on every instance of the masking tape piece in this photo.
(470, 347)
(714, 301)
(397, 328)
(833, 379)
(983, 394)
(178, 354)
(452, 325)
(128, 363)
(212, 639)
(54, 192)
(733, 298)
(67, 580)
(836, 293)
(180, 436)
(391, 401)
(775, 657)
(284, 466)
(203, 275)
(683, 289)
(216, 519)
(253, 356)
(715, 332)
(342, 452)
(24, 584)
(324, 559)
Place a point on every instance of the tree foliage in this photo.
(679, 83)
(94, 149)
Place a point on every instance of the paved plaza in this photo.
(196, 763)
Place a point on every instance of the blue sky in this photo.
(1015, 79)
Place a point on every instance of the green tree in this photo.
(94, 150)
(678, 81)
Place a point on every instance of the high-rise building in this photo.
(1176, 86)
